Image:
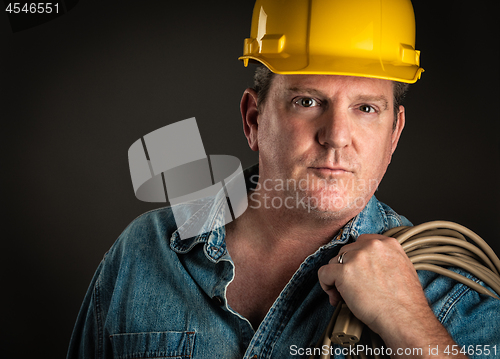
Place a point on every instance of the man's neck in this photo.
(267, 246)
(272, 228)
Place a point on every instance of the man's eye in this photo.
(306, 102)
(366, 108)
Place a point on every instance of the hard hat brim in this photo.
(342, 66)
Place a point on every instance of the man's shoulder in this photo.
(394, 219)
(377, 217)
(145, 245)
(159, 221)
(158, 229)
(146, 232)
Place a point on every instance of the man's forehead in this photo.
(324, 85)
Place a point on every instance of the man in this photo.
(255, 288)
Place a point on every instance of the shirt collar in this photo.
(204, 216)
(371, 219)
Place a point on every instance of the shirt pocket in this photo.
(171, 345)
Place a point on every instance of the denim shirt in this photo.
(155, 295)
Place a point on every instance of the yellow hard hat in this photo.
(369, 38)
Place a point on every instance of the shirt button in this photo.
(254, 357)
(217, 300)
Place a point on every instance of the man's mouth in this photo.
(331, 170)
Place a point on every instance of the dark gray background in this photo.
(79, 90)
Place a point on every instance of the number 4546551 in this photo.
(485, 350)
(32, 8)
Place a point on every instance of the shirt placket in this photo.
(262, 343)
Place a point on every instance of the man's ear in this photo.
(400, 124)
(250, 117)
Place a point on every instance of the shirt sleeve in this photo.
(472, 321)
(86, 340)
(470, 318)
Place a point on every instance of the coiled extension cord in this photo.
(431, 246)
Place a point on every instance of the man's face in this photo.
(326, 141)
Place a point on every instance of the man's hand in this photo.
(380, 286)
(376, 280)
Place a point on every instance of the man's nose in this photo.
(335, 129)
